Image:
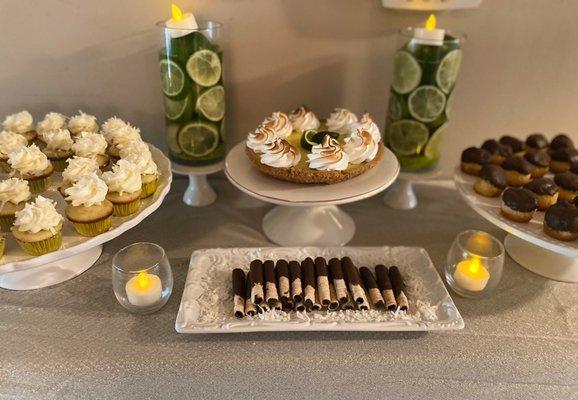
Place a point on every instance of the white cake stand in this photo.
(401, 196)
(19, 271)
(307, 215)
(199, 193)
(526, 243)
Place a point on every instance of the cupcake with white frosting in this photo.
(367, 124)
(9, 142)
(281, 155)
(82, 122)
(111, 125)
(30, 164)
(120, 137)
(280, 124)
(52, 121)
(340, 120)
(304, 119)
(14, 193)
(21, 123)
(58, 147)
(89, 210)
(38, 227)
(138, 153)
(124, 187)
(328, 156)
(361, 146)
(92, 145)
(76, 168)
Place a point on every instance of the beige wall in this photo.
(519, 74)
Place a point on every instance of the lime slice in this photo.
(172, 78)
(426, 103)
(394, 108)
(311, 138)
(433, 147)
(448, 69)
(212, 103)
(407, 137)
(198, 139)
(406, 72)
(174, 109)
(204, 67)
(172, 131)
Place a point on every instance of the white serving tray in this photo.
(206, 305)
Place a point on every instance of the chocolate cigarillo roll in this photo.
(250, 308)
(336, 272)
(283, 285)
(277, 305)
(288, 305)
(263, 307)
(239, 292)
(334, 302)
(371, 287)
(256, 271)
(295, 278)
(398, 288)
(271, 294)
(349, 304)
(317, 306)
(384, 284)
(308, 268)
(322, 281)
(354, 281)
(299, 306)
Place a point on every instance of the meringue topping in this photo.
(261, 139)
(328, 156)
(303, 119)
(360, 146)
(340, 119)
(281, 155)
(367, 124)
(280, 124)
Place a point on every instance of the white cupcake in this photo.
(139, 154)
(92, 145)
(124, 187)
(76, 169)
(89, 210)
(58, 147)
(21, 123)
(38, 227)
(52, 121)
(120, 137)
(82, 123)
(9, 142)
(30, 164)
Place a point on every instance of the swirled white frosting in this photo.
(10, 141)
(112, 124)
(340, 119)
(82, 123)
(21, 122)
(303, 119)
(328, 156)
(261, 139)
(52, 121)
(367, 124)
(58, 140)
(135, 147)
(40, 215)
(281, 155)
(139, 154)
(88, 191)
(360, 146)
(28, 161)
(122, 136)
(89, 144)
(78, 167)
(280, 124)
(125, 177)
(14, 190)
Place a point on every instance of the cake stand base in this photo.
(52, 273)
(541, 261)
(199, 193)
(401, 195)
(308, 226)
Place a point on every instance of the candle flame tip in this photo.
(177, 12)
(431, 22)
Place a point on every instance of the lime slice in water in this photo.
(407, 137)
(406, 72)
(198, 139)
(448, 69)
(426, 103)
(212, 103)
(394, 108)
(172, 78)
(174, 109)
(433, 147)
(204, 67)
(172, 131)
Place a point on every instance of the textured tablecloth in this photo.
(75, 341)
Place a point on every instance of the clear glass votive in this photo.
(475, 263)
(142, 278)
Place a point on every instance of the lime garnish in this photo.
(433, 147)
(448, 69)
(198, 139)
(406, 72)
(172, 132)
(172, 78)
(395, 107)
(311, 138)
(426, 103)
(212, 103)
(204, 67)
(174, 109)
(407, 137)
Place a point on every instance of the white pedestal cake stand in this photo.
(307, 215)
(401, 196)
(199, 193)
(19, 271)
(526, 243)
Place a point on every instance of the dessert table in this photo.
(74, 338)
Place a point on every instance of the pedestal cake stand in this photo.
(526, 243)
(19, 271)
(199, 193)
(307, 215)
(401, 196)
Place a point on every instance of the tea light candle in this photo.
(143, 289)
(471, 275)
(429, 35)
(181, 23)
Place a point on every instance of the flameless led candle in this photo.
(429, 35)
(471, 275)
(181, 23)
(143, 289)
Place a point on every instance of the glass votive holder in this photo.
(475, 263)
(142, 278)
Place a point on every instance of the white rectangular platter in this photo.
(207, 302)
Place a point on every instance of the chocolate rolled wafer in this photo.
(256, 271)
(336, 273)
(384, 284)
(398, 288)
(283, 285)
(334, 302)
(277, 305)
(322, 281)
(299, 306)
(354, 281)
(295, 279)
(239, 292)
(317, 306)
(250, 308)
(349, 303)
(263, 307)
(371, 287)
(288, 305)
(271, 294)
(308, 269)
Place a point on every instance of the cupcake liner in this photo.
(41, 247)
(39, 185)
(124, 209)
(149, 188)
(93, 228)
(59, 165)
(6, 223)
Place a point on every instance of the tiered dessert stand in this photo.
(526, 243)
(307, 215)
(199, 193)
(19, 271)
